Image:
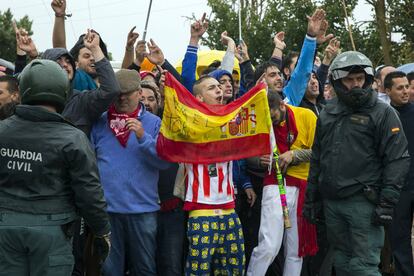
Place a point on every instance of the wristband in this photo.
(33, 57)
(64, 15)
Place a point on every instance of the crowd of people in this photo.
(83, 190)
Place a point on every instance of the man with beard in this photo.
(294, 129)
(83, 109)
(397, 88)
(293, 91)
(9, 96)
(358, 166)
(85, 77)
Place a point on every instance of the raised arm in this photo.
(295, 89)
(189, 64)
(228, 60)
(97, 101)
(330, 53)
(24, 47)
(129, 48)
(246, 68)
(156, 56)
(59, 33)
(280, 45)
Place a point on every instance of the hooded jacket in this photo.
(217, 74)
(320, 101)
(85, 108)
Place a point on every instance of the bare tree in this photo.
(384, 29)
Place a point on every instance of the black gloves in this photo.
(312, 208)
(383, 214)
(101, 246)
(312, 211)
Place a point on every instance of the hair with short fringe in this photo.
(196, 91)
(12, 84)
(151, 85)
(410, 76)
(388, 81)
(262, 69)
(273, 99)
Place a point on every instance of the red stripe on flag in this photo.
(206, 181)
(195, 183)
(220, 179)
(186, 98)
(213, 152)
(228, 179)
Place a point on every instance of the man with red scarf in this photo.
(294, 129)
(124, 141)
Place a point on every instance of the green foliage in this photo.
(7, 35)
(402, 18)
(263, 19)
(402, 21)
(110, 58)
(260, 24)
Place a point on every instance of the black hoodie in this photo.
(320, 101)
(84, 108)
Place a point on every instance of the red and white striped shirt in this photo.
(209, 186)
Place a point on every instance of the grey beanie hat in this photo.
(129, 80)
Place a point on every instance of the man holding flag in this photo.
(294, 129)
(205, 135)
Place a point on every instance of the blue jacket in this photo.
(296, 86)
(129, 175)
(240, 177)
(189, 67)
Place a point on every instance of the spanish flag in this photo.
(193, 132)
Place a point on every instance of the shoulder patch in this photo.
(395, 129)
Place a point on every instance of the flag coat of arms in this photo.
(193, 132)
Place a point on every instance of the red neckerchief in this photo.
(286, 132)
(117, 123)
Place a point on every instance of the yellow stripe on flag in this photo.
(183, 123)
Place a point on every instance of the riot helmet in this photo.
(44, 82)
(349, 63)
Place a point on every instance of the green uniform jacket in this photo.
(355, 149)
(47, 166)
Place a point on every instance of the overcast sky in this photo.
(113, 19)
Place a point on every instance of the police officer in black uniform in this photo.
(48, 175)
(358, 166)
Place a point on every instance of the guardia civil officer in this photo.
(358, 166)
(48, 175)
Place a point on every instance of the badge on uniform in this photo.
(359, 119)
(212, 170)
